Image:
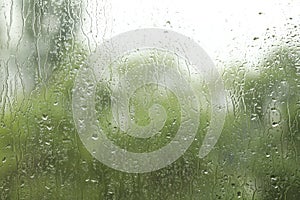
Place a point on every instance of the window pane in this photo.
(149, 99)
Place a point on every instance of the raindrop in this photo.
(49, 127)
(274, 124)
(273, 178)
(239, 194)
(95, 136)
(44, 117)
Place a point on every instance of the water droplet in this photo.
(95, 136)
(253, 117)
(44, 117)
(84, 107)
(273, 178)
(274, 124)
(49, 127)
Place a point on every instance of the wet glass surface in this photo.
(64, 95)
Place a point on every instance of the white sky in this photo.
(225, 29)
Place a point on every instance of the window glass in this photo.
(149, 99)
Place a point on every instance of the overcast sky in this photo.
(226, 29)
